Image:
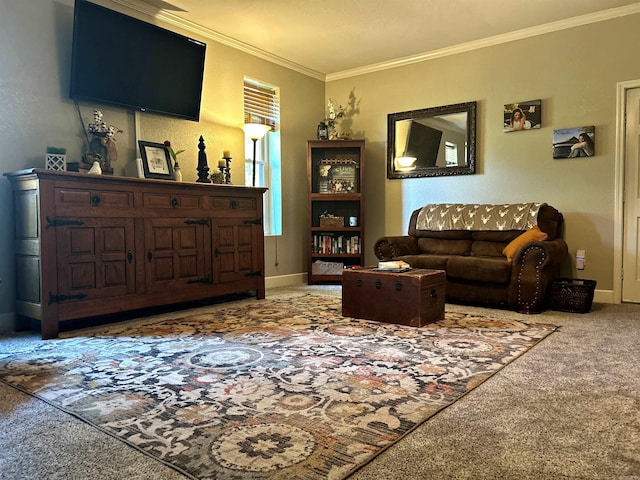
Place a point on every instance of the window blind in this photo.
(261, 104)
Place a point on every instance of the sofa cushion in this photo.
(434, 262)
(493, 236)
(479, 269)
(532, 235)
(444, 247)
(487, 249)
(491, 244)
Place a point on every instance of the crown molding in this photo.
(490, 41)
(207, 33)
(171, 19)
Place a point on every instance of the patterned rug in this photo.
(282, 388)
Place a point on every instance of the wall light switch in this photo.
(580, 259)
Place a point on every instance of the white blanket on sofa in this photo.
(467, 216)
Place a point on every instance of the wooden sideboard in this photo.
(90, 245)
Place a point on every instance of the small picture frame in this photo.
(156, 161)
(522, 116)
(574, 142)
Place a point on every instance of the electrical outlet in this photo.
(580, 259)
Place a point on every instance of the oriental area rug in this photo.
(282, 388)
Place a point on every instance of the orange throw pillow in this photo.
(534, 234)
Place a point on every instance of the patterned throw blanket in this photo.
(459, 216)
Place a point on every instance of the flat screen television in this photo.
(120, 60)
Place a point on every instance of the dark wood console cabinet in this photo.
(92, 245)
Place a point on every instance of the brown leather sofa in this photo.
(469, 243)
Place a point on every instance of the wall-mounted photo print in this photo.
(522, 116)
(574, 142)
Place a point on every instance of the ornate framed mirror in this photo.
(432, 142)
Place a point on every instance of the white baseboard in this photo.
(285, 280)
(603, 296)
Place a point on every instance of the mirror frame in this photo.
(470, 168)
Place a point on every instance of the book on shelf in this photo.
(331, 244)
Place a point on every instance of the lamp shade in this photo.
(255, 131)
(406, 163)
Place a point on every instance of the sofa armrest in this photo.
(534, 266)
(388, 248)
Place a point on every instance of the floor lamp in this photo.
(255, 131)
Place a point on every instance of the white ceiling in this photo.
(340, 37)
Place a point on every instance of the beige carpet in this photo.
(500, 430)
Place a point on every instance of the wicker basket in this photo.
(326, 268)
(572, 295)
(331, 222)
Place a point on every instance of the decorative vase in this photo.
(95, 169)
(177, 173)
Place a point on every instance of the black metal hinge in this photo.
(61, 298)
(204, 281)
(202, 221)
(57, 222)
(255, 221)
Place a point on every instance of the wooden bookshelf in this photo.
(335, 220)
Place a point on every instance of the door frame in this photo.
(618, 214)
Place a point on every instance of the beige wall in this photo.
(36, 112)
(573, 71)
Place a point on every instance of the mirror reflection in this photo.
(432, 142)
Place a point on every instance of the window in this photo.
(262, 105)
(451, 154)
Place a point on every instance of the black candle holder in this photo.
(226, 170)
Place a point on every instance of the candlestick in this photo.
(222, 163)
(226, 154)
(227, 170)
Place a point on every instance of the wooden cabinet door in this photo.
(177, 253)
(94, 258)
(236, 245)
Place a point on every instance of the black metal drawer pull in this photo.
(378, 284)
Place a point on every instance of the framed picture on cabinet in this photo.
(156, 161)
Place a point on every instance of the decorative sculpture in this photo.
(203, 168)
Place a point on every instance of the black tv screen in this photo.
(124, 61)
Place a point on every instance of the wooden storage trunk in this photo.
(413, 298)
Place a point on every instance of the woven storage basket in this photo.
(331, 222)
(327, 268)
(572, 295)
